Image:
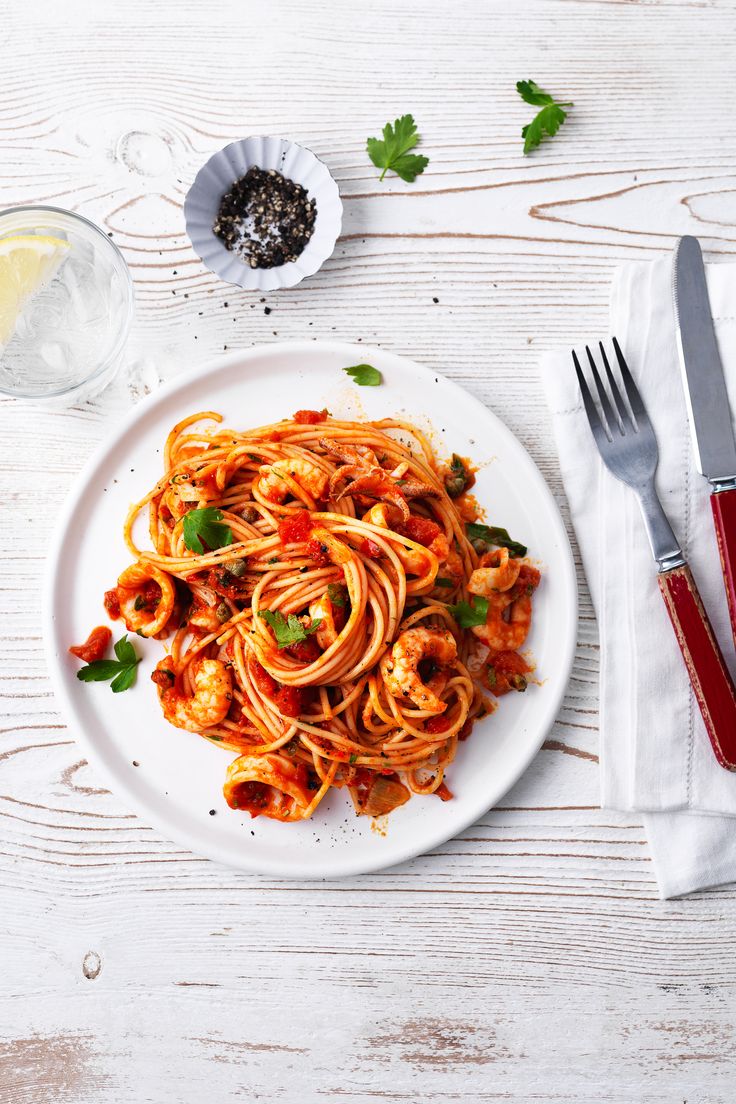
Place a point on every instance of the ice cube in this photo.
(52, 354)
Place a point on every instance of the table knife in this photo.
(708, 408)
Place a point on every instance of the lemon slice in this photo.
(27, 262)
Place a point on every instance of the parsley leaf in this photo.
(531, 93)
(365, 375)
(120, 670)
(336, 594)
(288, 631)
(467, 614)
(206, 525)
(494, 534)
(393, 152)
(548, 119)
(125, 651)
(442, 582)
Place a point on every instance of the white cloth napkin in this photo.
(655, 754)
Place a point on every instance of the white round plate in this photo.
(179, 777)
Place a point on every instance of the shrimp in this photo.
(188, 487)
(506, 635)
(322, 611)
(401, 669)
(497, 572)
(268, 785)
(202, 615)
(509, 613)
(453, 568)
(146, 598)
(414, 560)
(290, 476)
(207, 706)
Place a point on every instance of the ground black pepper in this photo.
(265, 219)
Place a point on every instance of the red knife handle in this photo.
(706, 667)
(724, 516)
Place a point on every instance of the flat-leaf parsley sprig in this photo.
(548, 119)
(392, 153)
(120, 670)
(365, 375)
(468, 614)
(288, 631)
(206, 525)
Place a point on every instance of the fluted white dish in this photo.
(218, 175)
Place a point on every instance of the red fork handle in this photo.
(709, 675)
(723, 504)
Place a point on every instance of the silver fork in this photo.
(628, 447)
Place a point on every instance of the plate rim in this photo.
(270, 866)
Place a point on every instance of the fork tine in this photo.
(608, 414)
(624, 418)
(632, 391)
(591, 410)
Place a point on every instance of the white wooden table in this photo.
(530, 959)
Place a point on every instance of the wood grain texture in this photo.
(529, 959)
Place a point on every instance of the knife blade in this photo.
(706, 397)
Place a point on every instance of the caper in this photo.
(480, 546)
(222, 613)
(249, 514)
(455, 485)
(237, 567)
(457, 480)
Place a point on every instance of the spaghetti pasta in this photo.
(315, 634)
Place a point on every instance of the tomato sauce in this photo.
(370, 549)
(510, 663)
(420, 529)
(225, 584)
(439, 723)
(253, 797)
(295, 528)
(163, 678)
(528, 577)
(465, 730)
(318, 552)
(94, 646)
(112, 604)
(306, 651)
(290, 700)
(339, 615)
(151, 595)
(310, 417)
(261, 678)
